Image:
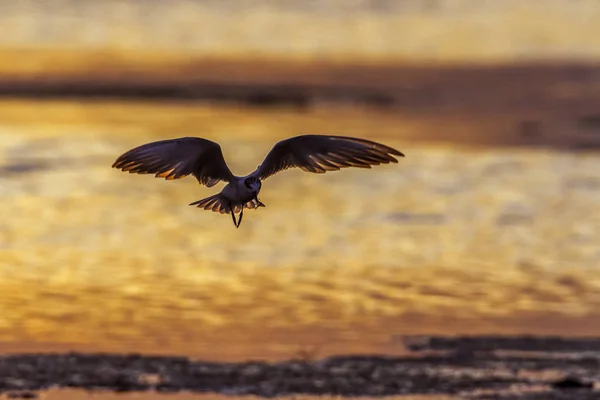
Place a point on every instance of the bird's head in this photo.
(253, 184)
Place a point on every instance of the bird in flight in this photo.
(177, 158)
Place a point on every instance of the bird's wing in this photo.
(321, 153)
(177, 158)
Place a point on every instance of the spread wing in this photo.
(177, 158)
(321, 153)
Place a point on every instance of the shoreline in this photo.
(478, 367)
(281, 82)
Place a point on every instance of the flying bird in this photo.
(177, 158)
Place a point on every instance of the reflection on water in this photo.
(470, 237)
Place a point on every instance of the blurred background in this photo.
(489, 225)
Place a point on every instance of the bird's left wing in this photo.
(322, 153)
(177, 158)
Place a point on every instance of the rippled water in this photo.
(466, 239)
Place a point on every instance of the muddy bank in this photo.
(541, 104)
(417, 88)
(480, 368)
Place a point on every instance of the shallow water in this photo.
(451, 239)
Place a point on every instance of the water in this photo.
(450, 239)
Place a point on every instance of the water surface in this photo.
(452, 239)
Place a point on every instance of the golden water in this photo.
(450, 240)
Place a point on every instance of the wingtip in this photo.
(395, 152)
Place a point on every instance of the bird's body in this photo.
(237, 191)
(177, 158)
(235, 196)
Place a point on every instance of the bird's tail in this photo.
(218, 203)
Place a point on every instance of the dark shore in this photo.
(475, 367)
(544, 104)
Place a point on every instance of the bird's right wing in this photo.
(321, 153)
(177, 158)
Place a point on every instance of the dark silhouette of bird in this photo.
(177, 158)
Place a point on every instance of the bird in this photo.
(177, 158)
